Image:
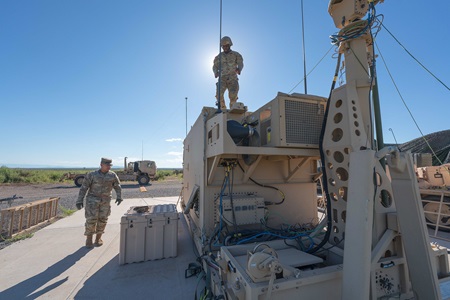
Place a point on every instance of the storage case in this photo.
(148, 233)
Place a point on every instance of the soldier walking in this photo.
(98, 185)
(228, 64)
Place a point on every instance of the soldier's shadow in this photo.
(130, 186)
(61, 187)
(27, 288)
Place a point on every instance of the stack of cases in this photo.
(148, 233)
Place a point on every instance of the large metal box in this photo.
(148, 233)
(291, 120)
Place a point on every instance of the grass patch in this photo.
(32, 176)
(164, 174)
(67, 211)
(18, 237)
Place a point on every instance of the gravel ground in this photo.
(68, 193)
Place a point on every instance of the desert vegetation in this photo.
(34, 176)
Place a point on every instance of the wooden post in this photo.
(11, 225)
(37, 216)
(2, 219)
(44, 214)
(30, 212)
(50, 211)
(22, 211)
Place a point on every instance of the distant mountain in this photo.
(438, 141)
(27, 166)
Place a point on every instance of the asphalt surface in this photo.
(68, 192)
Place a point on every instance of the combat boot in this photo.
(89, 241)
(98, 240)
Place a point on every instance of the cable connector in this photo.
(192, 270)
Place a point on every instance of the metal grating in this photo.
(303, 122)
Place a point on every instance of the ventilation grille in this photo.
(303, 122)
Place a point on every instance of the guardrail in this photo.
(18, 219)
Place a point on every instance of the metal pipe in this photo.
(377, 111)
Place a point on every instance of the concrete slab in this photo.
(54, 264)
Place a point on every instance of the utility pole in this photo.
(186, 114)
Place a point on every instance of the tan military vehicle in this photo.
(142, 171)
(434, 185)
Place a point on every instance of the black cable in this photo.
(322, 161)
(325, 55)
(406, 105)
(326, 249)
(230, 191)
(267, 186)
(440, 81)
(217, 229)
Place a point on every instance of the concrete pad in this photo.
(54, 264)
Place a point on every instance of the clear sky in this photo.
(83, 79)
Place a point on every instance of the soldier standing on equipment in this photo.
(98, 185)
(230, 63)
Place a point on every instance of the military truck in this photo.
(434, 186)
(142, 171)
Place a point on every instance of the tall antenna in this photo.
(142, 150)
(304, 52)
(186, 114)
(220, 62)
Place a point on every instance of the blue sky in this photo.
(84, 79)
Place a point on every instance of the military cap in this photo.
(106, 161)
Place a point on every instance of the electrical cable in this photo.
(425, 68)
(267, 186)
(218, 229)
(355, 29)
(267, 233)
(322, 161)
(311, 69)
(406, 106)
(230, 192)
(338, 39)
(326, 249)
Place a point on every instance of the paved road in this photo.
(68, 192)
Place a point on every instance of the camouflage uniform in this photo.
(98, 187)
(232, 62)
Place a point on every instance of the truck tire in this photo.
(143, 179)
(78, 180)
